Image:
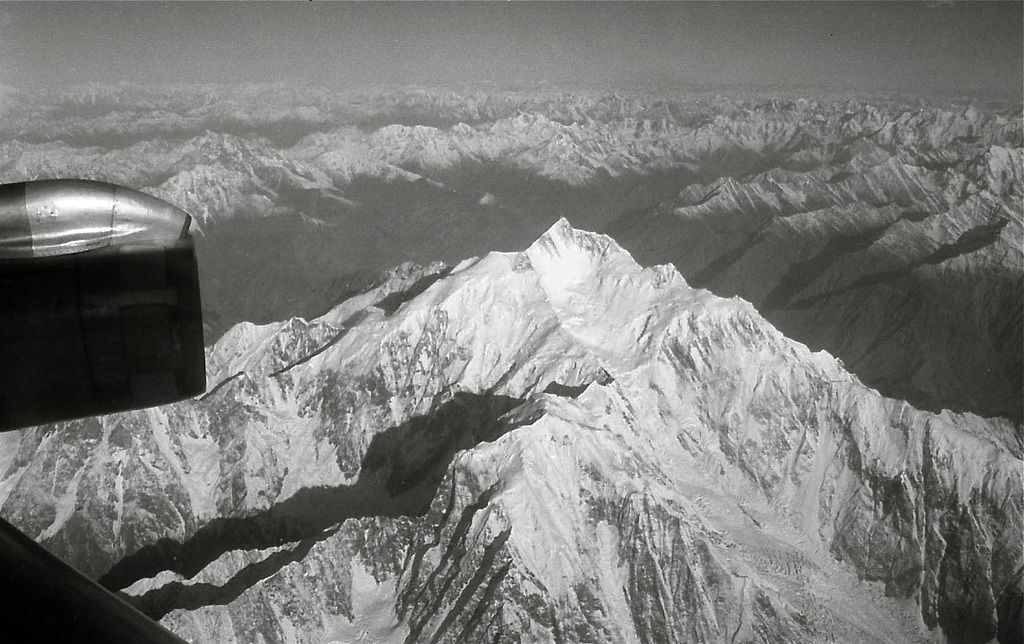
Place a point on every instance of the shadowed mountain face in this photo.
(399, 476)
(549, 445)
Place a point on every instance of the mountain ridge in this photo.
(700, 477)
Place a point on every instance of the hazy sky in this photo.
(955, 48)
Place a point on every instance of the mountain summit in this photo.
(550, 445)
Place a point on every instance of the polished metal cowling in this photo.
(66, 216)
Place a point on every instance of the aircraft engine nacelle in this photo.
(99, 302)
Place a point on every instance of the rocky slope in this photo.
(550, 445)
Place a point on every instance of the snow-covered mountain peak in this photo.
(561, 435)
(565, 258)
(558, 444)
(602, 297)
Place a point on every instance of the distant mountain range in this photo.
(887, 232)
(779, 400)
